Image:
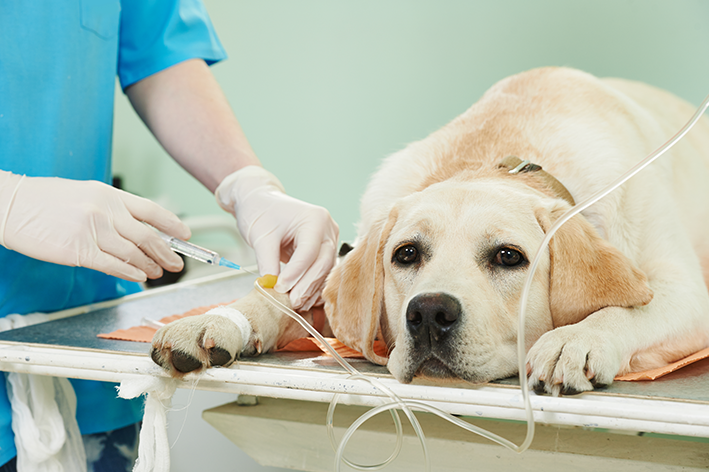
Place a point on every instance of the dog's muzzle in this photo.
(431, 319)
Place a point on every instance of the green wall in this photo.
(325, 89)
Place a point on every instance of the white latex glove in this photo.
(87, 224)
(282, 229)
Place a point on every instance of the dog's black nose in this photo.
(432, 315)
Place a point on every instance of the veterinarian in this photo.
(70, 239)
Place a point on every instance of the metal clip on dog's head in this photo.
(519, 166)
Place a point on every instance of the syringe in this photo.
(199, 253)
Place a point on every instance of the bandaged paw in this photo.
(234, 315)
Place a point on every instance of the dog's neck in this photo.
(515, 165)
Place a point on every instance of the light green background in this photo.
(325, 89)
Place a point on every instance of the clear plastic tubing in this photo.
(197, 252)
(408, 405)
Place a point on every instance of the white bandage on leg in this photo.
(237, 317)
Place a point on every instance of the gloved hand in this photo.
(282, 229)
(87, 224)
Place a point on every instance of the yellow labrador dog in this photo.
(450, 223)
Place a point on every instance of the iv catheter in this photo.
(199, 253)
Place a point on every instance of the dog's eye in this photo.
(509, 257)
(407, 254)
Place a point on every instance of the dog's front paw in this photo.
(571, 360)
(197, 342)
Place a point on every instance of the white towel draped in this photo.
(154, 447)
(47, 435)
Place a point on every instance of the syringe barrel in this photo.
(191, 250)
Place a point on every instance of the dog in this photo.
(450, 224)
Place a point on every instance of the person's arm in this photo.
(185, 109)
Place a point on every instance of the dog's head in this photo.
(440, 278)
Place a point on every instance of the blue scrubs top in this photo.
(58, 63)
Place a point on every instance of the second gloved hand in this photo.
(87, 224)
(282, 229)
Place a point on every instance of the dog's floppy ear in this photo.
(354, 292)
(586, 272)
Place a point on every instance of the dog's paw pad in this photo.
(185, 363)
(569, 390)
(219, 356)
(538, 387)
(157, 357)
(599, 384)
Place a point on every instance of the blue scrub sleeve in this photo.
(157, 34)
